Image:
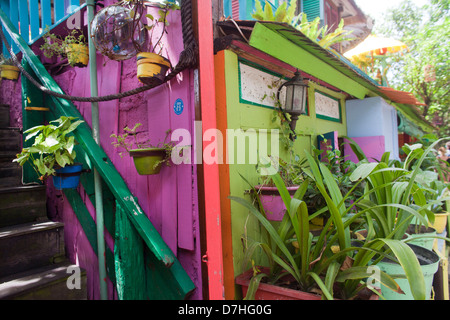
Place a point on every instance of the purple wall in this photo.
(10, 93)
(169, 198)
(373, 148)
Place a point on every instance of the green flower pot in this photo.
(148, 161)
(429, 264)
(423, 231)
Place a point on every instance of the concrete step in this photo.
(10, 173)
(31, 245)
(10, 140)
(4, 116)
(54, 282)
(22, 204)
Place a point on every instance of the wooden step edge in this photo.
(11, 128)
(36, 279)
(23, 188)
(26, 228)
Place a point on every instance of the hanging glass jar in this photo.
(118, 32)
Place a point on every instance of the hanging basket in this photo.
(9, 72)
(151, 68)
(148, 161)
(67, 177)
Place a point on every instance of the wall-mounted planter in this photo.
(67, 177)
(148, 161)
(9, 72)
(77, 55)
(272, 202)
(151, 68)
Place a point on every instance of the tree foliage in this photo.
(424, 69)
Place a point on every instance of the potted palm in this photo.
(327, 264)
(148, 159)
(52, 153)
(73, 46)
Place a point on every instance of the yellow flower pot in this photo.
(77, 55)
(151, 68)
(9, 72)
(440, 221)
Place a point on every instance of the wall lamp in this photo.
(295, 103)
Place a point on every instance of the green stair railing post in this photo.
(96, 136)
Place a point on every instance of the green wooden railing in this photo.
(140, 252)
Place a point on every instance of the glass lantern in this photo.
(296, 93)
(116, 34)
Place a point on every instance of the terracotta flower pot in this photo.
(148, 161)
(272, 202)
(10, 72)
(272, 292)
(151, 68)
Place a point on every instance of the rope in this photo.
(188, 59)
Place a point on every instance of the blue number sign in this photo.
(178, 107)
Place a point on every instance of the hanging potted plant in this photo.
(73, 47)
(52, 153)
(8, 70)
(148, 159)
(151, 65)
(271, 200)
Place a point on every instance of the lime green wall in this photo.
(247, 116)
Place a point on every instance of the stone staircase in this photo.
(33, 265)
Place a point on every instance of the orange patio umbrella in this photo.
(376, 46)
(363, 54)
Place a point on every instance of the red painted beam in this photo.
(210, 171)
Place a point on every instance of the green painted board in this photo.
(129, 259)
(312, 60)
(31, 96)
(90, 229)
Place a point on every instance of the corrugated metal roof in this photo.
(400, 96)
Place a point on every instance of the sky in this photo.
(376, 8)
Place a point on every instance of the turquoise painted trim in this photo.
(46, 9)
(227, 8)
(52, 26)
(33, 21)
